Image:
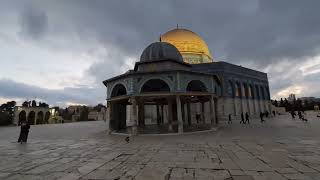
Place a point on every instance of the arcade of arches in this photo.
(157, 110)
(32, 115)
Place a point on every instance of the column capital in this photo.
(132, 100)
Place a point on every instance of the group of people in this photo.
(24, 132)
(245, 117)
(300, 115)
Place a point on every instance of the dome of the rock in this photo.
(192, 47)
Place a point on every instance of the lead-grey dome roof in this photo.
(160, 51)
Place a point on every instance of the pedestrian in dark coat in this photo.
(261, 117)
(24, 132)
(230, 120)
(242, 119)
(300, 115)
(247, 118)
(22, 124)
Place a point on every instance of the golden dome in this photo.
(192, 47)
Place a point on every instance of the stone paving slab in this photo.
(281, 149)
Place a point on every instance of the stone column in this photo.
(170, 118)
(254, 105)
(141, 113)
(162, 114)
(179, 115)
(35, 118)
(108, 121)
(158, 115)
(134, 129)
(183, 112)
(202, 112)
(212, 111)
(189, 113)
(215, 100)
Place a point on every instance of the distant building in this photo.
(292, 97)
(34, 115)
(97, 116)
(76, 111)
(309, 99)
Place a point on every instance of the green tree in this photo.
(34, 103)
(7, 112)
(25, 104)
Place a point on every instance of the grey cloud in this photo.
(85, 95)
(261, 31)
(33, 22)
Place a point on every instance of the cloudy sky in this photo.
(60, 51)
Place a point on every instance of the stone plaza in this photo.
(280, 149)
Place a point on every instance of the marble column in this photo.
(202, 113)
(215, 100)
(141, 113)
(134, 129)
(35, 118)
(108, 121)
(170, 118)
(179, 115)
(212, 111)
(162, 114)
(158, 115)
(189, 113)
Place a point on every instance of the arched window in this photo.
(22, 116)
(47, 117)
(262, 93)
(31, 117)
(40, 117)
(238, 89)
(118, 90)
(230, 89)
(155, 85)
(257, 92)
(196, 85)
(246, 90)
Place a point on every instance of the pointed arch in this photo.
(155, 85)
(196, 85)
(118, 90)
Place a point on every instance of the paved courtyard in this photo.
(280, 149)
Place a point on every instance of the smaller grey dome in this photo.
(160, 51)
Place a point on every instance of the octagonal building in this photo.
(177, 87)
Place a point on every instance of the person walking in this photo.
(261, 117)
(22, 124)
(230, 120)
(25, 132)
(242, 119)
(300, 115)
(247, 118)
(198, 118)
(293, 114)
